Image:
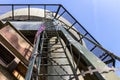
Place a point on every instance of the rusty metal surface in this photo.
(16, 41)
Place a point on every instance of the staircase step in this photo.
(55, 65)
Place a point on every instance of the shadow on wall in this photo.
(5, 74)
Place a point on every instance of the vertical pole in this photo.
(41, 48)
(39, 57)
(12, 12)
(44, 13)
(32, 60)
(28, 11)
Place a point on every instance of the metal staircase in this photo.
(67, 53)
(53, 61)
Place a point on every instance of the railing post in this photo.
(32, 60)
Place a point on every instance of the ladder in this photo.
(52, 61)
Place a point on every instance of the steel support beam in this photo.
(32, 60)
(90, 58)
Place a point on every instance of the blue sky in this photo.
(100, 17)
